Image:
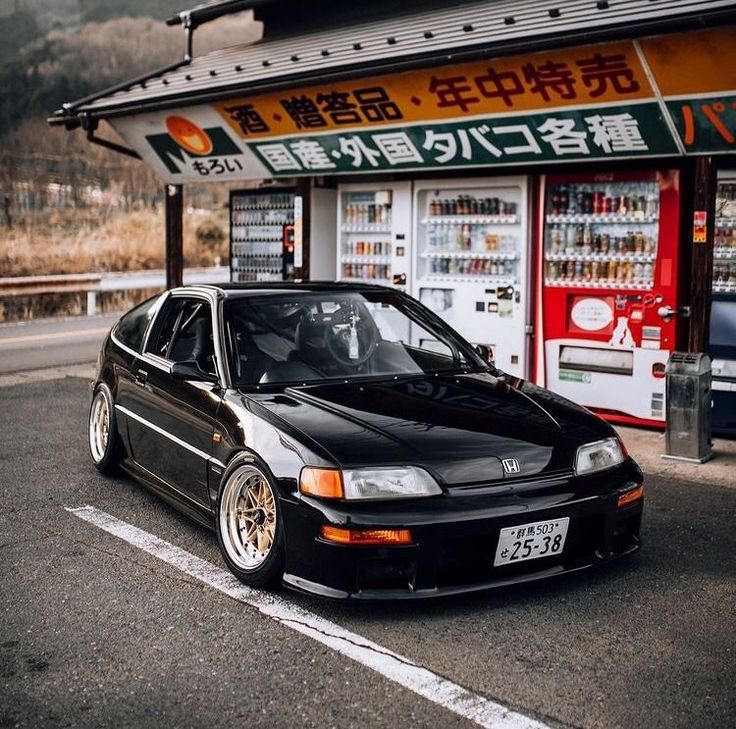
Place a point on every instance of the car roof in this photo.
(260, 288)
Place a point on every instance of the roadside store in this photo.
(556, 180)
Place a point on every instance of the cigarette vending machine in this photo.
(373, 233)
(472, 262)
(608, 306)
(262, 235)
(723, 308)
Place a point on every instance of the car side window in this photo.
(185, 333)
(132, 326)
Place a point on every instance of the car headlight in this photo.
(368, 483)
(598, 456)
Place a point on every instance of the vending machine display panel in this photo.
(723, 308)
(373, 234)
(262, 235)
(609, 258)
(471, 263)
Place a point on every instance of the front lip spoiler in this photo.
(314, 588)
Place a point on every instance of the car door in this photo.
(172, 421)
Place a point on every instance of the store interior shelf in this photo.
(366, 259)
(599, 284)
(365, 228)
(469, 278)
(470, 220)
(603, 218)
(485, 255)
(603, 257)
(724, 252)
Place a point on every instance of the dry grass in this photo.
(88, 241)
(82, 241)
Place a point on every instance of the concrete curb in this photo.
(647, 447)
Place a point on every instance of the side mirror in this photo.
(190, 370)
(486, 353)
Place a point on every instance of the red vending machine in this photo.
(608, 304)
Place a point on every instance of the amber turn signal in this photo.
(631, 496)
(366, 536)
(323, 482)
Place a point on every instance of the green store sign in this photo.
(625, 131)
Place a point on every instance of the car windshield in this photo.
(300, 336)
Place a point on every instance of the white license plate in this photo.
(531, 541)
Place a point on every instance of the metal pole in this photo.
(701, 268)
(174, 236)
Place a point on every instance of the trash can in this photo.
(688, 403)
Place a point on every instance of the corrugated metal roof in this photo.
(481, 28)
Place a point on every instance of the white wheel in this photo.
(248, 518)
(99, 427)
(105, 445)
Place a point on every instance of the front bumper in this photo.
(456, 538)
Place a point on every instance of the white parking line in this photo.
(391, 665)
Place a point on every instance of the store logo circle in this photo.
(592, 315)
(188, 135)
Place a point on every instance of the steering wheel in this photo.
(351, 338)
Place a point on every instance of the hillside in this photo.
(72, 206)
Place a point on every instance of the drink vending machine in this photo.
(723, 308)
(373, 233)
(471, 266)
(262, 235)
(608, 305)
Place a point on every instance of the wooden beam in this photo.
(174, 236)
(701, 242)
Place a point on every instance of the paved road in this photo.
(96, 632)
(52, 342)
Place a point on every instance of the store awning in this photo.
(450, 35)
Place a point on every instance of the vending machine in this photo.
(608, 306)
(471, 264)
(374, 233)
(262, 234)
(723, 308)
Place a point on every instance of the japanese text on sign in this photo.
(588, 75)
(576, 135)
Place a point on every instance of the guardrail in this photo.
(94, 283)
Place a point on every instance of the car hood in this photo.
(459, 427)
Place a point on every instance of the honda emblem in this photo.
(510, 465)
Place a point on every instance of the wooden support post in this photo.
(701, 240)
(174, 236)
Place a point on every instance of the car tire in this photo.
(249, 523)
(104, 442)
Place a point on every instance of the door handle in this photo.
(667, 312)
(141, 377)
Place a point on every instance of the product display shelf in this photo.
(365, 228)
(366, 259)
(599, 284)
(470, 220)
(603, 257)
(485, 255)
(470, 278)
(603, 218)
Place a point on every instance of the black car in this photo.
(343, 439)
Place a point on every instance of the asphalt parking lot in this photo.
(95, 631)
